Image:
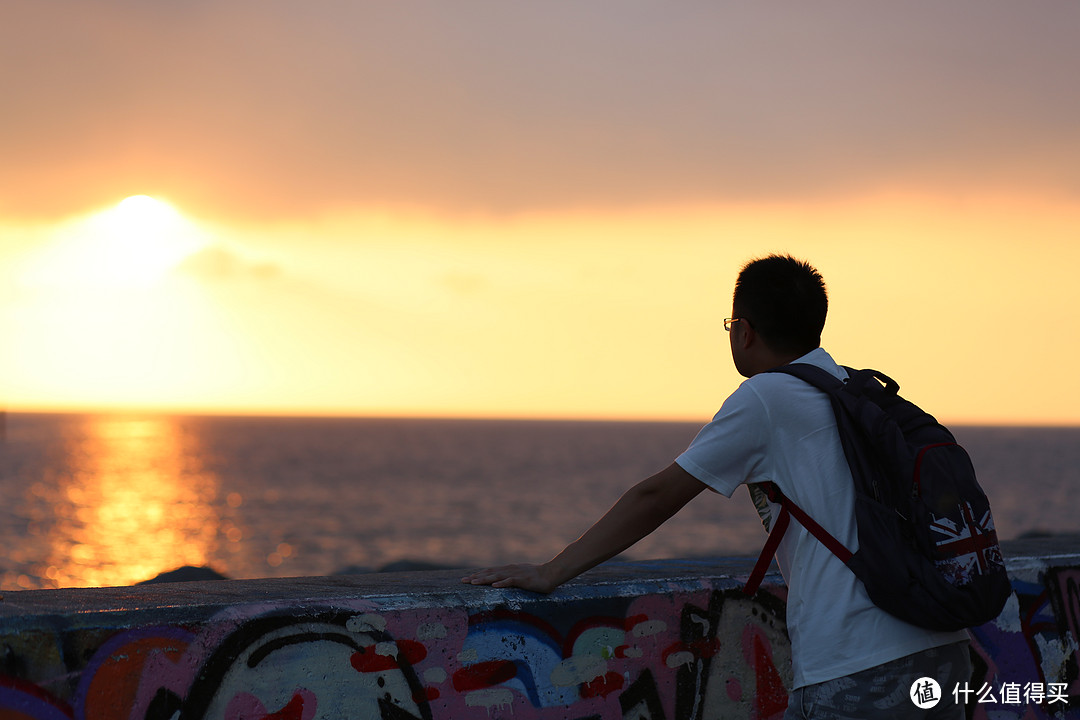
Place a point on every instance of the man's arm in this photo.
(642, 509)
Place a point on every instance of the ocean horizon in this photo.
(93, 499)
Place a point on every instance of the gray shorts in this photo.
(890, 691)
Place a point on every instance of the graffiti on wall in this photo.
(645, 658)
(682, 655)
(1030, 647)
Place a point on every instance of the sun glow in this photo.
(545, 316)
(100, 315)
(131, 245)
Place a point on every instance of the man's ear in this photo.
(748, 336)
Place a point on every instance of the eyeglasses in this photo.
(729, 321)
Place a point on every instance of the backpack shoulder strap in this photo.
(821, 379)
(783, 519)
(858, 382)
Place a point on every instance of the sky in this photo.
(510, 209)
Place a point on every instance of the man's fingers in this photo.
(485, 576)
(501, 577)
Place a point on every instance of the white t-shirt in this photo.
(779, 428)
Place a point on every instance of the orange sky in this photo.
(517, 209)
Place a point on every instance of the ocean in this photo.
(95, 500)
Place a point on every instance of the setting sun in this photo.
(139, 241)
(133, 244)
(141, 217)
(101, 316)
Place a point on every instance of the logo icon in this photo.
(925, 693)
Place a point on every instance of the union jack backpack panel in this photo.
(928, 552)
(965, 544)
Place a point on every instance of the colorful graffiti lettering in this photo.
(686, 654)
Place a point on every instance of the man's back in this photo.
(777, 428)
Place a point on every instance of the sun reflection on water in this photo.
(137, 503)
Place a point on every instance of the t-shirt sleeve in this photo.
(730, 450)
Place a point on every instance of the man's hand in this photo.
(536, 578)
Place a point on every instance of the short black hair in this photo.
(784, 300)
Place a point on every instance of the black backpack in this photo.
(928, 552)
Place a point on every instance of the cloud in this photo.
(273, 109)
(219, 263)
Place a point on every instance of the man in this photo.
(850, 659)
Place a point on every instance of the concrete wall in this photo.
(672, 639)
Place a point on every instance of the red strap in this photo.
(767, 552)
(787, 509)
(819, 532)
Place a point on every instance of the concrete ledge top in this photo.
(197, 601)
(194, 601)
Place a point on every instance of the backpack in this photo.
(928, 552)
